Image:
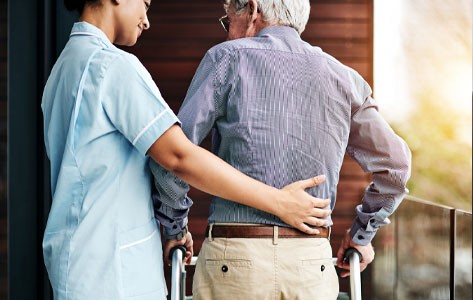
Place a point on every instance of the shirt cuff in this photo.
(175, 227)
(366, 225)
(361, 236)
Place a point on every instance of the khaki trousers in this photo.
(265, 268)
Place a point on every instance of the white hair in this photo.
(292, 13)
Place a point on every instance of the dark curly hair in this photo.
(78, 5)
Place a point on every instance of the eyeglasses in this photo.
(225, 21)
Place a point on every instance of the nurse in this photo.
(103, 118)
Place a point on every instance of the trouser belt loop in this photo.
(275, 235)
(329, 232)
(211, 226)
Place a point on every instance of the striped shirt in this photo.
(281, 110)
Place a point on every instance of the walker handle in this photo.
(173, 249)
(349, 252)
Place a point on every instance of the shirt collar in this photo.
(279, 30)
(84, 28)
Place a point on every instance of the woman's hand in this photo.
(299, 209)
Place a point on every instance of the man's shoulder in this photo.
(230, 48)
(333, 63)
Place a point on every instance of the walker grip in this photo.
(180, 248)
(349, 252)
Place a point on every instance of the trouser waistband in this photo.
(261, 231)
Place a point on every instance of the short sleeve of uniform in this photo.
(133, 103)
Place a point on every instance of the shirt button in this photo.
(224, 268)
(360, 237)
(372, 221)
(322, 268)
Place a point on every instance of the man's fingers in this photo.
(341, 254)
(363, 267)
(344, 274)
(346, 268)
(187, 258)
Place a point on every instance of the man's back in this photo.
(282, 109)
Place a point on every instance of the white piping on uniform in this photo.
(148, 126)
(139, 241)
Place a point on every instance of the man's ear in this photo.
(253, 9)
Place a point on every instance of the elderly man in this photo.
(282, 110)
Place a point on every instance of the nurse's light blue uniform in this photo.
(102, 112)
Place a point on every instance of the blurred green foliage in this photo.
(441, 160)
(436, 50)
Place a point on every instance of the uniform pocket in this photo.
(141, 261)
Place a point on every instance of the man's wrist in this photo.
(178, 236)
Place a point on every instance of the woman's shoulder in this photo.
(120, 62)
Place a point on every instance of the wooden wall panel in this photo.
(182, 31)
